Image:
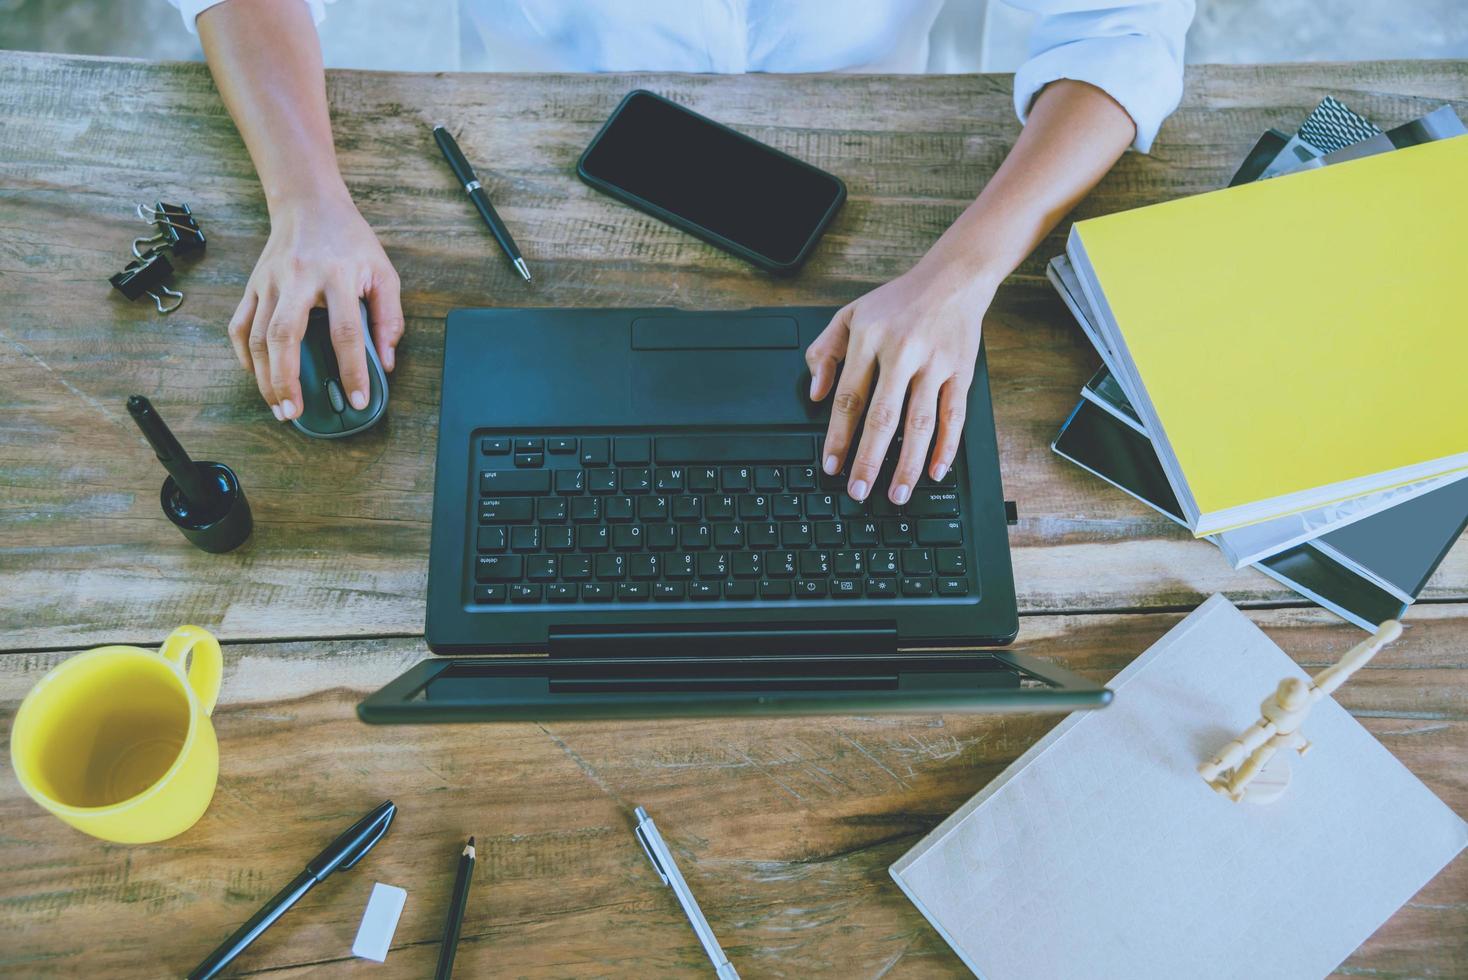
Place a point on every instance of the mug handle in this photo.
(208, 665)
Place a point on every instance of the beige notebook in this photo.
(1101, 853)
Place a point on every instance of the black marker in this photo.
(465, 175)
(203, 499)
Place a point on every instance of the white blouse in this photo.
(1131, 50)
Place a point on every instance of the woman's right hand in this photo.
(320, 253)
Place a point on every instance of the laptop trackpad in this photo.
(717, 369)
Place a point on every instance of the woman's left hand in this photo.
(917, 337)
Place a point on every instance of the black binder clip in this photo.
(177, 230)
(144, 277)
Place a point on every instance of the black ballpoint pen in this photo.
(465, 175)
(455, 921)
(340, 854)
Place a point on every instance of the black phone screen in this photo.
(712, 177)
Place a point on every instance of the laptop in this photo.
(630, 520)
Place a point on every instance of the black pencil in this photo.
(455, 920)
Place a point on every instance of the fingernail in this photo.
(278, 417)
(287, 410)
(900, 493)
(858, 489)
(815, 380)
(940, 471)
(832, 465)
(388, 360)
(359, 400)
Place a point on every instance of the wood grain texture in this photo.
(784, 828)
(342, 538)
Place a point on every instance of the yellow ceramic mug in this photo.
(117, 741)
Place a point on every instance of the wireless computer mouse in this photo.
(325, 411)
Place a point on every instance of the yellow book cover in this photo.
(1295, 341)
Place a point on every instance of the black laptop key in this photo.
(820, 505)
(601, 481)
(762, 535)
(746, 564)
(643, 567)
(913, 586)
(882, 562)
(627, 537)
(506, 510)
(619, 508)
(525, 593)
(636, 479)
(703, 479)
(633, 590)
(495, 446)
(953, 586)
(848, 562)
(687, 508)
(492, 538)
(846, 506)
(767, 449)
(713, 565)
(951, 561)
(595, 452)
(728, 535)
(769, 478)
(576, 568)
(560, 592)
(492, 482)
(570, 481)
(846, 588)
(695, 536)
(881, 588)
(630, 450)
(809, 588)
(830, 534)
(680, 566)
(718, 507)
(933, 503)
(784, 505)
(801, 478)
(667, 478)
(735, 478)
(597, 591)
(652, 508)
(667, 591)
(498, 568)
(939, 532)
(528, 445)
(899, 531)
(551, 510)
(611, 567)
(795, 534)
(529, 459)
(864, 532)
(592, 538)
(774, 589)
(540, 568)
(489, 593)
(525, 537)
(560, 447)
(661, 537)
(781, 564)
(753, 505)
(735, 589)
(703, 590)
(917, 561)
(813, 563)
(585, 509)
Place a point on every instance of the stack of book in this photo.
(1285, 359)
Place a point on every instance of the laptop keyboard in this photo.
(701, 517)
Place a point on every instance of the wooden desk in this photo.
(785, 828)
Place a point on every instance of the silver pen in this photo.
(662, 863)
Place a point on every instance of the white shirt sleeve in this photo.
(191, 9)
(1131, 51)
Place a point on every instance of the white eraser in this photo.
(379, 922)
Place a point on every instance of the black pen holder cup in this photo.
(222, 527)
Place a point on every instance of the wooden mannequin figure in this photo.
(1241, 771)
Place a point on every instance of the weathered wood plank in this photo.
(343, 529)
(784, 827)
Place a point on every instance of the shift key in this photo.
(493, 482)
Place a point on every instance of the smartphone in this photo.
(703, 177)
